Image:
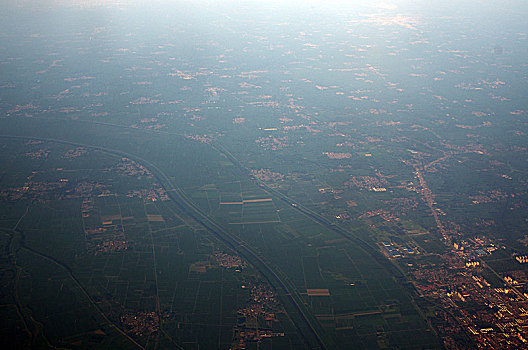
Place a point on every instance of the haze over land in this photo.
(263, 174)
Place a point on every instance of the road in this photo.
(361, 243)
(273, 275)
(316, 338)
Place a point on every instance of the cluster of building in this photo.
(522, 259)
(149, 124)
(395, 250)
(344, 216)
(130, 168)
(111, 245)
(371, 183)
(336, 155)
(86, 190)
(267, 175)
(200, 138)
(38, 191)
(75, 152)
(154, 194)
(401, 206)
(38, 154)
(272, 143)
(246, 335)
(256, 319)
(476, 301)
(473, 247)
(141, 323)
(229, 261)
(489, 197)
(384, 214)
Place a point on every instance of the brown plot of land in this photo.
(318, 292)
(110, 217)
(155, 218)
(257, 200)
(248, 201)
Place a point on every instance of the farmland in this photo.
(200, 175)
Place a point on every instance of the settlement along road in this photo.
(305, 322)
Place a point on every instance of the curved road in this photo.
(276, 279)
(314, 340)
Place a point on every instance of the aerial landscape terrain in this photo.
(251, 174)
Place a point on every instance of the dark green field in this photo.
(262, 175)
